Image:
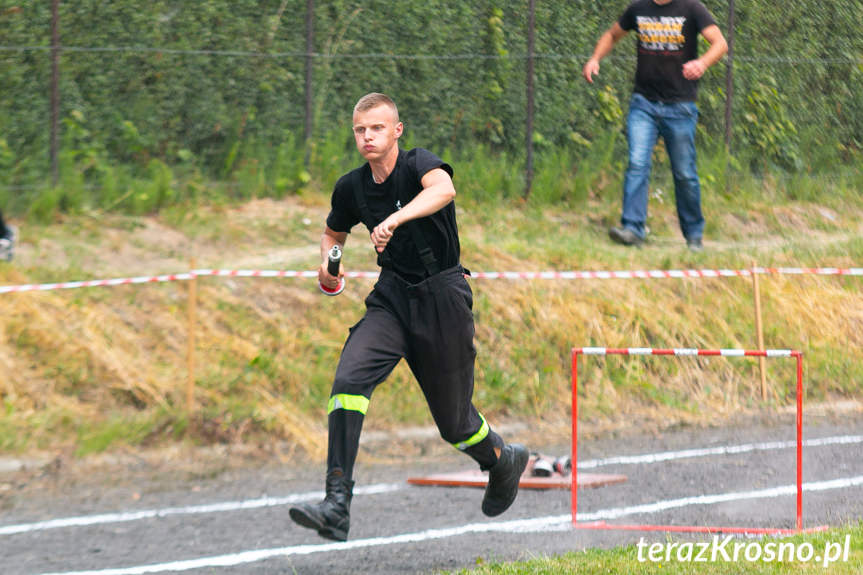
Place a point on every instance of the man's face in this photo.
(376, 132)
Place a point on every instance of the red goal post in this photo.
(787, 353)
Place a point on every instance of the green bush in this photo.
(217, 89)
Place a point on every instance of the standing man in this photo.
(663, 104)
(420, 310)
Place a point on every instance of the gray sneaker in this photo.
(694, 245)
(7, 245)
(624, 236)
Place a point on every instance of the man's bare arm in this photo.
(694, 69)
(603, 48)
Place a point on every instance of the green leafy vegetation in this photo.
(176, 91)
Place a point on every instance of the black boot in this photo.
(503, 479)
(331, 517)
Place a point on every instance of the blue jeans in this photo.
(675, 122)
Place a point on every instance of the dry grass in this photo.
(107, 366)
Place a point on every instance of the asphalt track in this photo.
(237, 522)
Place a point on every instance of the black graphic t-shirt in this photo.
(403, 184)
(667, 38)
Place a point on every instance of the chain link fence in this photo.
(204, 83)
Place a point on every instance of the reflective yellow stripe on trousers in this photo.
(348, 402)
(475, 438)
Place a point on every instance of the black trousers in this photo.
(430, 324)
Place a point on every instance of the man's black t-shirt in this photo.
(403, 184)
(667, 38)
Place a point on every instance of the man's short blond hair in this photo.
(374, 100)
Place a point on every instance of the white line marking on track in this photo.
(537, 524)
(87, 520)
(708, 451)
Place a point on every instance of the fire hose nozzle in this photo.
(334, 259)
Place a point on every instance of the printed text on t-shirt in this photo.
(664, 34)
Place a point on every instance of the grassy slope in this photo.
(95, 368)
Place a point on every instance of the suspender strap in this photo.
(360, 196)
(426, 253)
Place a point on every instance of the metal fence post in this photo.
(729, 95)
(310, 46)
(531, 25)
(55, 91)
(192, 312)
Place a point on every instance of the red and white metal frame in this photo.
(689, 352)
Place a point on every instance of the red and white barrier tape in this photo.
(686, 351)
(661, 274)
(273, 273)
(547, 275)
(96, 283)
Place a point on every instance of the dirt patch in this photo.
(119, 246)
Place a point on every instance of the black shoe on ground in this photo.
(503, 479)
(624, 236)
(331, 518)
(695, 245)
